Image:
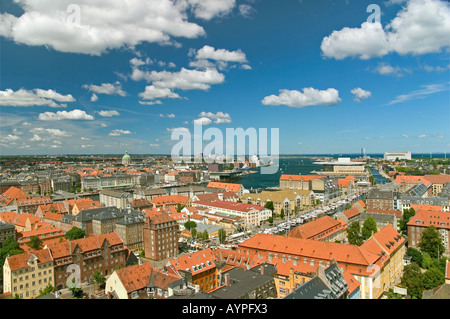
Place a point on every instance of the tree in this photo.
(193, 233)
(416, 255)
(412, 279)
(431, 242)
(190, 225)
(9, 247)
(353, 234)
(179, 207)
(433, 278)
(35, 242)
(282, 214)
(48, 289)
(269, 205)
(222, 235)
(205, 235)
(407, 214)
(369, 228)
(75, 233)
(99, 279)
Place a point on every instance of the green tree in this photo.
(205, 235)
(190, 225)
(269, 205)
(222, 235)
(407, 214)
(35, 242)
(412, 279)
(432, 278)
(369, 228)
(426, 261)
(48, 289)
(416, 255)
(354, 235)
(9, 247)
(98, 278)
(270, 220)
(193, 232)
(179, 207)
(282, 214)
(75, 233)
(431, 242)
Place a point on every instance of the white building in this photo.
(392, 156)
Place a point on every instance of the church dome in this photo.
(126, 159)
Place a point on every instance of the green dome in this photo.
(126, 156)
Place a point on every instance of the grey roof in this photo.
(378, 194)
(242, 282)
(4, 226)
(440, 292)
(310, 290)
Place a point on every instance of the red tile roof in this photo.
(435, 208)
(352, 212)
(137, 277)
(310, 248)
(85, 244)
(12, 193)
(20, 261)
(411, 179)
(316, 227)
(231, 187)
(215, 196)
(427, 218)
(34, 201)
(438, 179)
(384, 242)
(169, 200)
(196, 262)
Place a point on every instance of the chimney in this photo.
(220, 196)
(227, 280)
(261, 268)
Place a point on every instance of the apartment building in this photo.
(104, 253)
(229, 187)
(119, 199)
(160, 236)
(26, 275)
(424, 219)
(367, 263)
(384, 200)
(288, 200)
(324, 228)
(252, 215)
(143, 282)
(198, 268)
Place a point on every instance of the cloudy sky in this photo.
(333, 76)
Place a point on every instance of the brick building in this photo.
(104, 253)
(160, 236)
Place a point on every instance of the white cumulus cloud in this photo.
(309, 96)
(108, 113)
(35, 97)
(360, 94)
(65, 115)
(94, 27)
(106, 88)
(119, 132)
(422, 26)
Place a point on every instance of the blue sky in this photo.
(84, 78)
